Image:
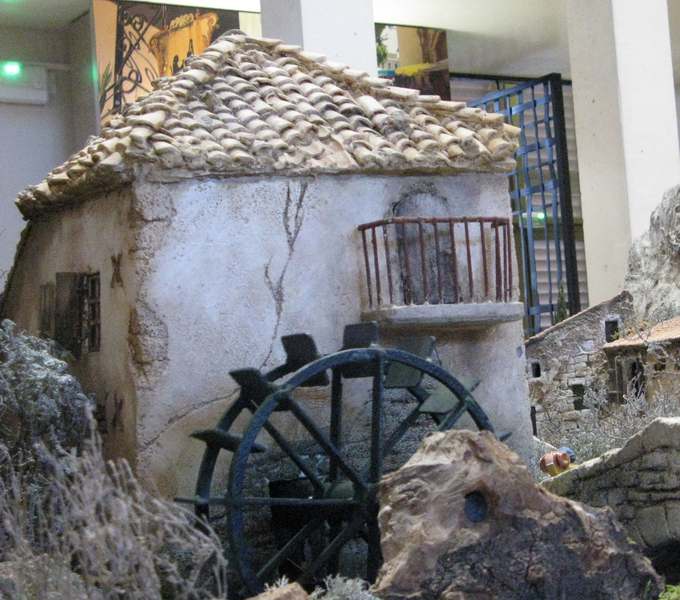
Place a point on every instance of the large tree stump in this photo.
(463, 519)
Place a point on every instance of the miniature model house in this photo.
(264, 191)
(567, 359)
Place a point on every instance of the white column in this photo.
(647, 104)
(626, 126)
(343, 31)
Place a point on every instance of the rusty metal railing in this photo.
(437, 260)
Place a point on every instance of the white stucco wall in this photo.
(215, 260)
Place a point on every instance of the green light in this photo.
(11, 69)
(539, 215)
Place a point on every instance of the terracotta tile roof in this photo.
(254, 106)
(666, 331)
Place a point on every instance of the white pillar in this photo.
(626, 126)
(343, 31)
(647, 104)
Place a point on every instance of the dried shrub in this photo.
(341, 588)
(99, 535)
(40, 402)
(335, 587)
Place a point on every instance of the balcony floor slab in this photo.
(450, 316)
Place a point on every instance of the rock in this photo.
(640, 482)
(292, 591)
(654, 263)
(463, 519)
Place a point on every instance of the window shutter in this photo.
(47, 310)
(68, 312)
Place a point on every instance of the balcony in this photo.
(439, 272)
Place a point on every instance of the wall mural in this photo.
(414, 57)
(137, 42)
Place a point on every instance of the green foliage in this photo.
(562, 311)
(672, 592)
(105, 84)
(380, 47)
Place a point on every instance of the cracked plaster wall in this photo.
(228, 266)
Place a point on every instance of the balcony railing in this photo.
(437, 260)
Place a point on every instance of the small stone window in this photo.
(535, 369)
(579, 392)
(611, 330)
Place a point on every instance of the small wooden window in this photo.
(91, 312)
(47, 294)
(77, 314)
(67, 312)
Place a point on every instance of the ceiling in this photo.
(40, 14)
(529, 36)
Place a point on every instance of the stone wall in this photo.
(641, 483)
(565, 363)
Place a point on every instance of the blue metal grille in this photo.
(541, 198)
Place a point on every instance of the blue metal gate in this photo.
(541, 198)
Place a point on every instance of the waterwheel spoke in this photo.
(401, 430)
(294, 456)
(334, 547)
(374, 558)
(325, 443)
(418, 393)
(288, 549)
(375, 470)
(336, 420)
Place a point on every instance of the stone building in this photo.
(566, 360)
(223, 210)
(645, 362)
